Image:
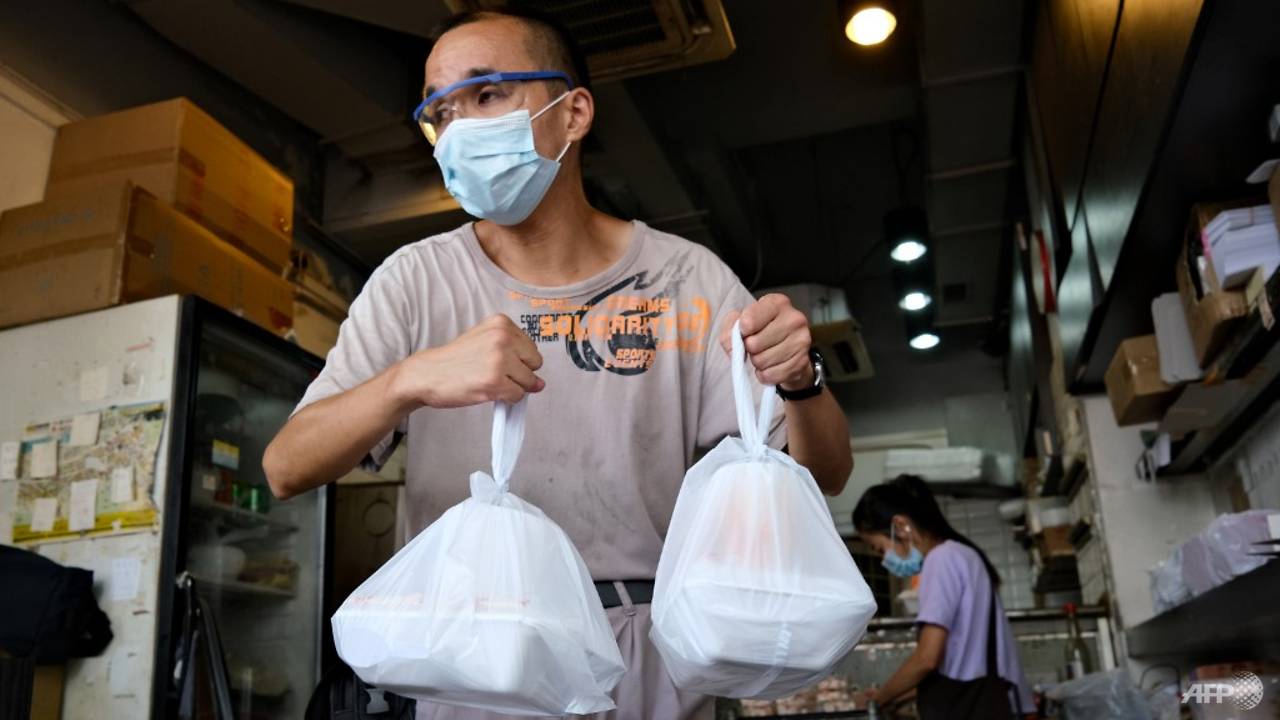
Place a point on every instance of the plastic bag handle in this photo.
(755, 431)
(508, 436)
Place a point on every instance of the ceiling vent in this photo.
(835, 333)
(624, 38)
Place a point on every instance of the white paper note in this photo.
(84, 501)
(122, 670)
(84, 429)
(9, 460)
(122, 484)
(44, 459)
(95, 464)
(43, 511)
(93, 384)
(1273, 525)
(122, 582)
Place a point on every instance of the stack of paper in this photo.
(1238, 241)
(1173, 340)
(1237, 219)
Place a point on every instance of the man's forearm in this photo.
(818, 438)
(326, 440)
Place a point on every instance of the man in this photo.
(609, 323)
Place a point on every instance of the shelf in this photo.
(817, 715)
(236, 587)
(1254, 351)
(1081, 532)
(239, 518)
(1015, 615)
(1240, 615)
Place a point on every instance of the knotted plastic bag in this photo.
(756, 594)
(489, 607)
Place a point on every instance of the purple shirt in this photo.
(955, 593)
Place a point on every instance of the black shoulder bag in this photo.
(986, 698)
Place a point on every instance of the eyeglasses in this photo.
(483, 96)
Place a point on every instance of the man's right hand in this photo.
(494, 360)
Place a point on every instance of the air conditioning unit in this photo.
(835, 333)
(624, 38)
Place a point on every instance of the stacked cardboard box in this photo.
(1213, 313)
(112, 245)
(146, 202)
(181, 155)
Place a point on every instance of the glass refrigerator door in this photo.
(258, 561)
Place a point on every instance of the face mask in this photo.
(903, 567)
(491, 168)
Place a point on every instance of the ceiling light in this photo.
(914, 301)
(870, 25)
(924, 341)
(908, 251)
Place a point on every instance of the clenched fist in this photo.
(777, 339)
(494, 360)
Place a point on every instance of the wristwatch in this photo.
(819, 380)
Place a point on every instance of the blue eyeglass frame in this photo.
(490, 78)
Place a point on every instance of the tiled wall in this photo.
(979, 520)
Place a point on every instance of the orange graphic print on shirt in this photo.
(623, 328)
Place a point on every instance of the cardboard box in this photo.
(1212, 317)
(1135, 389)
(74, 253)
(1055, 542)
(314, 330)
(184, 157)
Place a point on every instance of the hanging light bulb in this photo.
(924, 341)
(914, 301)
(908, 251)
(870, 24)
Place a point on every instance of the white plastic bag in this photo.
(490, 607)
(756, 595)
(1109, 695)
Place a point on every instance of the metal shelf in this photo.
(1015, 615)
(1254, 351)
(1240, 615)
(236, 587)
(817, 715)
(242, 519)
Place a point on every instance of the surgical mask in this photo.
(903, 567)
(491, 168)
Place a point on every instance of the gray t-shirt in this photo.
(636, 383)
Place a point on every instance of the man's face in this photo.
(496, 45)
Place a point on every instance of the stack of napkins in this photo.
(1173, 340)
(1240, 240)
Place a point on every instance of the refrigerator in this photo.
(209, 390)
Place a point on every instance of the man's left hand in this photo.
(777, 339)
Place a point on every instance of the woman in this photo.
(953, 670)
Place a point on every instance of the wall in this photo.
(28, 123)
(980, 521)
(1142, 522)
(869, 453)
(1257, 464)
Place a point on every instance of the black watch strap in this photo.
(814, 390)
